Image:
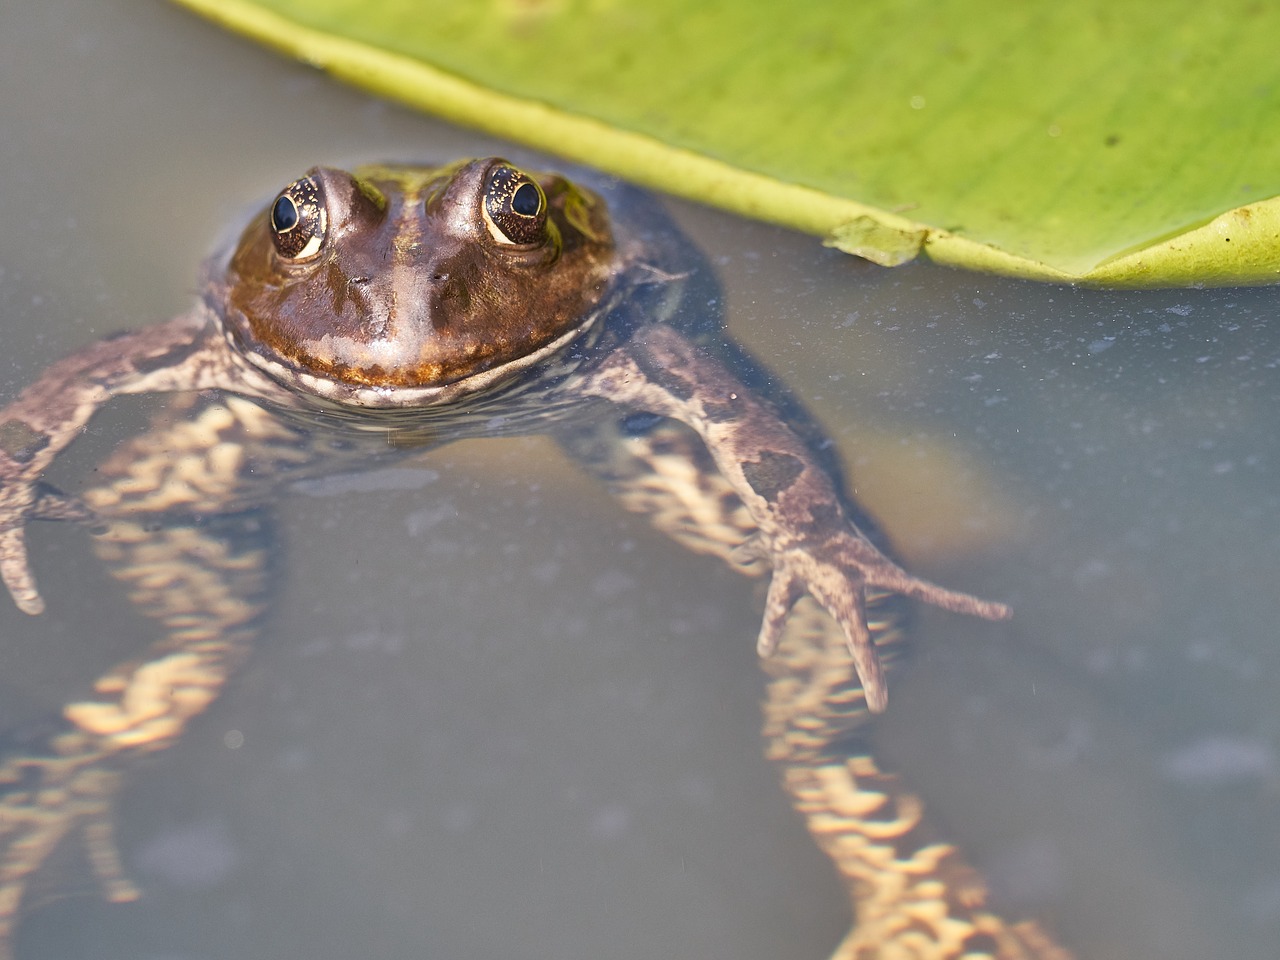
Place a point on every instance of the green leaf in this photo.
(1123, 142)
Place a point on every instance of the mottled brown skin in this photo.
(913, 893)
(387, 305)
(412, 290)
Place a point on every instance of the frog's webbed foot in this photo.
(837, 574)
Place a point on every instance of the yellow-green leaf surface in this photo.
(1128, 142)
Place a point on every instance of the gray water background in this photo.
(493, 717)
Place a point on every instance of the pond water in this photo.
(492, 716)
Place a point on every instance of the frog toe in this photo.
(15, 570)
(894, 578)
(842, 594)
(784, 590)
(848, 606)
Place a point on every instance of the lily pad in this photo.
(1117, 142)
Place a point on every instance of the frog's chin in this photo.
(306, 384)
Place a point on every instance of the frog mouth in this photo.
(317, 380)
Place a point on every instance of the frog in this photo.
(368, 316)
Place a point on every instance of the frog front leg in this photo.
(186, 353)
(806, 535)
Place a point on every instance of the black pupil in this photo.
(284, 215)
(526, 201)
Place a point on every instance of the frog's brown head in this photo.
(398, 286)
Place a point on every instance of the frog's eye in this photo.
(514, 207)
(299, 221)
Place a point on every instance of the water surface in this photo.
(492, 716)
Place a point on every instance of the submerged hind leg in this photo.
(913, 893)
(204, 580)
(205, 583)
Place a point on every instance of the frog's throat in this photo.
(392, 397)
